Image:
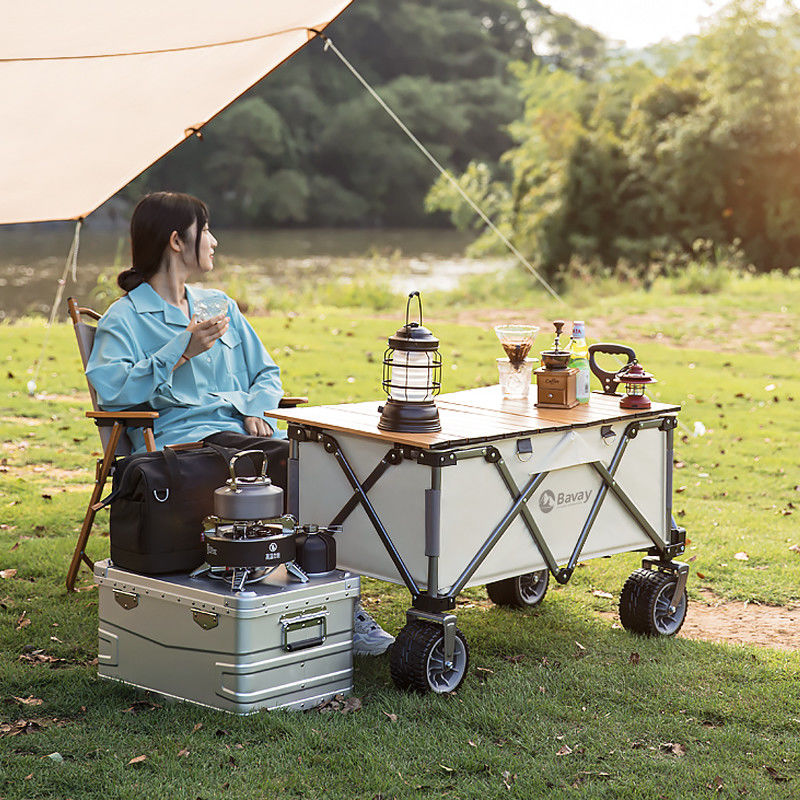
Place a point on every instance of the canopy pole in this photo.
(71, 266)
(329, 45)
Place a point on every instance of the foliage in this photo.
(539, 715)
(307, 145)
(631, 164)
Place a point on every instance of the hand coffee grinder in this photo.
(555, 381)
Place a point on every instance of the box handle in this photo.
(300, 621)
(205, 619)
(127, 600)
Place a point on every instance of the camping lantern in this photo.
(412, 371)
(635, 379)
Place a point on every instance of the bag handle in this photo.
(176, 484)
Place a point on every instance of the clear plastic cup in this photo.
(211, 306)
(515, 382)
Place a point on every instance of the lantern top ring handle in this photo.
(411, 296)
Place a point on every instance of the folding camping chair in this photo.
(112, 427)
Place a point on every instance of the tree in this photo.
(630, 164)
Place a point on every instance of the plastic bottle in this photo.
(579, 359)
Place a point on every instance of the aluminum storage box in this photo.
(277, 644)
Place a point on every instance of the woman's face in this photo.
(205, 256)
(205, 252)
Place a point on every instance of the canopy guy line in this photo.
(329, 45)
(71, 266)
(185, 48)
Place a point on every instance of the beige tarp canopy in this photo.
(94, 91)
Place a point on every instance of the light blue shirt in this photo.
(138, 342)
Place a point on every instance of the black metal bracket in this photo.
(430, 458)
(677, 568)
(433, 605)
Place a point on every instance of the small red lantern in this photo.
(635, 379)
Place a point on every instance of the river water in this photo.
(32, 260)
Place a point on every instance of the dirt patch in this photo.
(715, 620)
(28, 422)
(733, 331)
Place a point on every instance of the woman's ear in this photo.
(175, 242)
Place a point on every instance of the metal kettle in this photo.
(248, 498)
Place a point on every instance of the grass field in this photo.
(559, 702)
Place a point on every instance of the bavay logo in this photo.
(549, 500)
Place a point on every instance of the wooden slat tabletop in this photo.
(470, 417)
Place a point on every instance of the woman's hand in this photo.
(204, 334)
(256, 426)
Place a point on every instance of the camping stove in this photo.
(245, 551)
(249, 535)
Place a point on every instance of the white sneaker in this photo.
(369, 639)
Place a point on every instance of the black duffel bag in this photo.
(158, 502)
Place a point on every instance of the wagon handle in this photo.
(608, 379)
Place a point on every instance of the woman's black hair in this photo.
(154, 219)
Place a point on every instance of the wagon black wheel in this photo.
(523, 591)
(645, 604)
(417, 659)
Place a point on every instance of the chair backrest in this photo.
(84, 333)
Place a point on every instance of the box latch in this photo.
(127, 600)
(205, 619)
(294, 626)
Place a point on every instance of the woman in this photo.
(209, 379)
(152, 347)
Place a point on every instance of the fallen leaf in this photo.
(7, 573)
(40, 657)
(392, 717)
(197, 727)
(137, 760)
(56, 758)
(182, 753)
(716, 784)
(775, 775)
(741, 556)
(564, 751)
(514, 659)
(471, 743)
(634, 659)
(27, 701)
(606, 595)
(674, 748)
(795, 548)
(340, 704)
(23, 621)
(140, 705)
(701, 575)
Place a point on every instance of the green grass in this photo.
(538, 715)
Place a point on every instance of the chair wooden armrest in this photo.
(124, 417)
(291, 402)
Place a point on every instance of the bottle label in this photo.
(582, 388)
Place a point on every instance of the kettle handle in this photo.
(247, 453)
